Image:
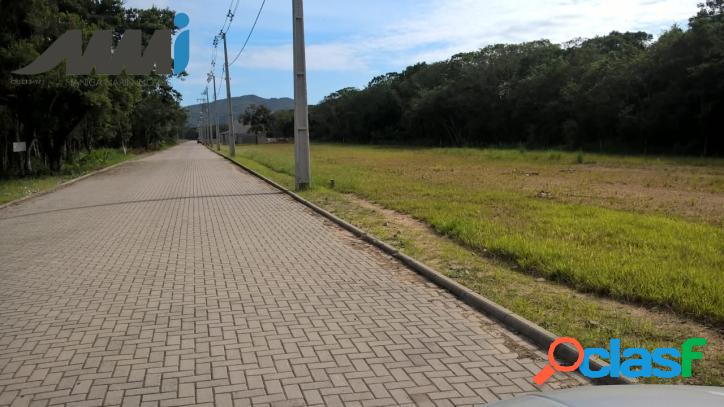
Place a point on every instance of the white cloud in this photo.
(349, 41)
(437, 29)
(320, 57)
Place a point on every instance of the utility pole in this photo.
(232, 138)
(208, 119)
(216, 115)
(303, 176)
(202, 127)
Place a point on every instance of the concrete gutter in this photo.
(514, 322)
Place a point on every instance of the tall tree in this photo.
(259, 119)
(58, 113)
(618, 92)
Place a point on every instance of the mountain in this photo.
(238, 106)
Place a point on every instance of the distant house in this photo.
(244, 136)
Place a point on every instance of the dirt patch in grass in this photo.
(687, 192)
(692, 193)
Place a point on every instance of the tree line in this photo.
(625, 92)
(59, 116)
(262, 121)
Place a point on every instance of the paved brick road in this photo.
(179, 280)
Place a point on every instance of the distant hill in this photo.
(238, 106)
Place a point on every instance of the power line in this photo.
(251, 31)
(223, 71)
(224, 27)
(228, 20)
(229, 16)
(222, 33)
(233, 13)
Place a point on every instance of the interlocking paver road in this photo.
(178, 280)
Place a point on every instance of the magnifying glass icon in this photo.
(553, 365)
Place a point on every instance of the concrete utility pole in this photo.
(232, 138)
(208, 119)
(202, 127)
(303, 176)
(216, 115)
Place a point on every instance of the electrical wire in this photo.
(234, 4)
(229, 17)
(224, 29)
(251, 31)
(223, 71)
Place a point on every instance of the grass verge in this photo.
(565, 311)
(16, 188)
(477, 198)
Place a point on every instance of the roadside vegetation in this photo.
(626, 92)
(12, 188)
(67, 122)
(591, 246)
(599, 228)
(19, 187)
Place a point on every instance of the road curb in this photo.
(539, 336)
(72, 181)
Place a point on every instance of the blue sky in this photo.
(351, 41)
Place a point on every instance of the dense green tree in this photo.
(282, 126)
(259, 119)
(618, 92)
(59, 115)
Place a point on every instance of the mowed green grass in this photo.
(558, 215)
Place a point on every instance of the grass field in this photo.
(538, 232)
(16, 188)
(648, 232)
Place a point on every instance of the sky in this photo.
(351, 41)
